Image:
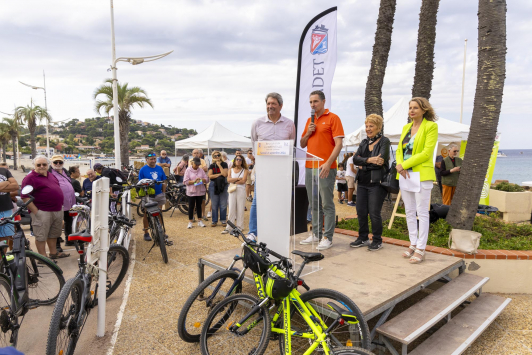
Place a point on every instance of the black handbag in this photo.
(390, 182)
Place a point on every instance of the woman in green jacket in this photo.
(415, 153)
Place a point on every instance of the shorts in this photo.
(160, 199)
(47, 225)
(341, 187)
(7, 230)
(350, 182)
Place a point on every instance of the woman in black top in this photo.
(218, 188)
(74, 173)
(372, 159)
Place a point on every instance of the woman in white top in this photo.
(237, 199)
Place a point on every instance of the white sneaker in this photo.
(310, 240)
(208, 215)
(189, 225)
(324, 244)
(252, 237)
(200, 224)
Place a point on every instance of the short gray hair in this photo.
(200, 150)
(41, 157)
(224, 154)
(276, 96)
(452, 145)
(319, 93)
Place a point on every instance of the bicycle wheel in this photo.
(171, 200)
(45, 278)
(350, 350)
(207, 197)
(204, 298)
(217, 338)
(65, 326)
(8, 316)
(182, 204)
(117, 265)
(159, 234)
(140, 211)
(80, 223)
(346, 335)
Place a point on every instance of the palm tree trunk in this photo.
(487, 108)
(4, 148)
(124, 122)
(426, 39)
(32, 142)
(14, 139)
(379, 59)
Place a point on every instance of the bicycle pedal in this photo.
(168, 243)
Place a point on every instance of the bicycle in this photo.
(153, 212)
(78, 298)
(320, 320)
(28, 280)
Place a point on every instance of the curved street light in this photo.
(46, 106)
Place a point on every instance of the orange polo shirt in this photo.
(321, 142)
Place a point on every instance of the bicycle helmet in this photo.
(254, 261)
(277, 287)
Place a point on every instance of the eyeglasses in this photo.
(455, 151)
(216, 156)
(151, 155)
(43, 165)
(58, 162)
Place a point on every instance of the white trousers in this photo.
(237, 202)
(418, 202)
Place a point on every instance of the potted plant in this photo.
(513, 201)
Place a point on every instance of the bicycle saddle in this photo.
(309, 257)
(84, 236)
(151, 204)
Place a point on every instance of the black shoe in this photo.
(375, 246)
(359, 243)
(147, 237)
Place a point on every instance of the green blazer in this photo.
(423, 153)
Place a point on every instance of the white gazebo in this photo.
(396, 117)
(215, 136)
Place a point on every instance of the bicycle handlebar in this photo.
(10, 220)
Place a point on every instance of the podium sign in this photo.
(273, 161)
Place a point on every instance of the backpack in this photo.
(113, 174)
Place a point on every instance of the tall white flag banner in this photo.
(316, 65)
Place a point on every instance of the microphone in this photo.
(312, 114)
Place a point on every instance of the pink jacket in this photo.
(191, 175)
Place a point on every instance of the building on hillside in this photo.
(163, 131)
(81, 136)
(42, 150)
(87, 147)
(142, 148)
(99, 129)
(140, 133)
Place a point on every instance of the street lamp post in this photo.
(46, 107)
(133, 61)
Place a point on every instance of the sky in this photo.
(229, 54)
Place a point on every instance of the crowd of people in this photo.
(231, 183)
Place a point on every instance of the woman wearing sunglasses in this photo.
(218, 188)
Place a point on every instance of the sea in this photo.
(516, 167)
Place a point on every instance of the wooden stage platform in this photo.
(375, 281)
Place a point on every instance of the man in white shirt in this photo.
(350, 175)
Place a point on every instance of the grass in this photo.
(496, 234)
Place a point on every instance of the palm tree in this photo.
(491, 73)
(426, 39)
(31, 116)
(4, 139)
(13, 129)
(379, 59)
(128, 97)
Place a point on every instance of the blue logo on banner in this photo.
(318, 40)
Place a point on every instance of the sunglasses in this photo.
(455, 151)
(58, 162)
(216, 156)
(150, 155)
(238, 160)
(43, 165)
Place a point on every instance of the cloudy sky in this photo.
(229, 54)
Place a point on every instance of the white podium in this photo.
(275, 162)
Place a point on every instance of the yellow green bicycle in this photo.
(319, 321)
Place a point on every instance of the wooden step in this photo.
(457, 335)
(416, 320)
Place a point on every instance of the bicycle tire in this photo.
(242, 344)
(182, 204)
(300, 345)
(171, 200)
(114, 267)
(8, 315)
(159, 234)
(207, 197)
(45, 278)
(79, 223)
(66, 322)
(348, 350)
(140, 212)
(196, 313)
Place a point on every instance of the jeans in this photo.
(326, 207)
(179, 179)
(418, 203)
(369, 202)
(219, 203)
(253, 213)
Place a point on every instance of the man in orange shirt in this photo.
(323, 136)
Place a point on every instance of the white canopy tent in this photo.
(215, 136)
(396, 117)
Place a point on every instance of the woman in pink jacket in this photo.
(195, 179)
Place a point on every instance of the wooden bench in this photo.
(416, 320)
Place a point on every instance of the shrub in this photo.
(505, 186)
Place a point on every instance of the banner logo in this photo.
(319, 40)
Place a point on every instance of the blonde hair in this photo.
(216, 152)
(424, 104)
(376, 120)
